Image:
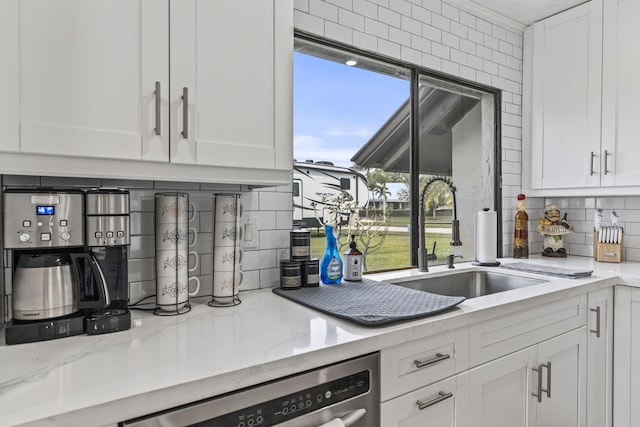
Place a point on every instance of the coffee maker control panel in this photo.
(42, 219)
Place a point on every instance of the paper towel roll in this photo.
(486, 236)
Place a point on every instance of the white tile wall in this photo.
(440, 36)
(580, 212)
(431, 33)
(270, 206)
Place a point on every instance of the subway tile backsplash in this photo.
(270, 207)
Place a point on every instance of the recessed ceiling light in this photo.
(351, 62)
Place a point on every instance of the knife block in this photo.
(607, 252)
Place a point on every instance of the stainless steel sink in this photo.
(470, 284)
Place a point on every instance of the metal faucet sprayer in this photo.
(455, 224)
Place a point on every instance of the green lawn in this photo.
(395, 251)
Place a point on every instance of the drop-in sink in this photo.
(470, 284)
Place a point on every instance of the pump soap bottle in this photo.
(353, 262)
(521, 230)
(331, 265)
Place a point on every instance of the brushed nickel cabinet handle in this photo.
(438, 358)
(606, 163)
(158, 99)
(538, 394)
(592, 156)
(185, 113)
(597, 329)
(548, 389)
(441, 396)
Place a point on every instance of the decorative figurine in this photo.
(553, 229)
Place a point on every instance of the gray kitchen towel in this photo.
(369, 302)
(545, 269)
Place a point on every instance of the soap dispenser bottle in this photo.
(353, 262)
(331, 265)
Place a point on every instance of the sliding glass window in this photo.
(362, 159)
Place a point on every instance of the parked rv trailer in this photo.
(315, 184)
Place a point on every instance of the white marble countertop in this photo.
(162, 362)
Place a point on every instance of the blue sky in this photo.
(337, 108)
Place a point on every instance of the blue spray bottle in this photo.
(331, 265)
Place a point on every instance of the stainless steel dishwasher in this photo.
(343, 394)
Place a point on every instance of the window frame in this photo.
(416, 72)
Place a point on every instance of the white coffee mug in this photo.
(226, 258)
(173, 294)
(175, 264)
(226, 233)
(228, 207)
(172, 237)
(174, 208)
(226, 285)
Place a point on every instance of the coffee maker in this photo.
(68, 255)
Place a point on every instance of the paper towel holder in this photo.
(485, 264)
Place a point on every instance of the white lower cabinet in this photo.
(534, 367)
(600, 358)
(500, 390)
(626, 389)
(442, 404)
(543, 385)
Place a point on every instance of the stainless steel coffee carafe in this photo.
(49, 285)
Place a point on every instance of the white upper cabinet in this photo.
(620, 93)
(225, 58)
(86, 74)
(86, 85)
(565, 98)
(580, 109)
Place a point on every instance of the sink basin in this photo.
(470, 284)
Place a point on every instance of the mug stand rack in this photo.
(165, 309)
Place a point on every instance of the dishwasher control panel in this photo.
(284, 408)
(348, 390)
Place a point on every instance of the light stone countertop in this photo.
(162, 362)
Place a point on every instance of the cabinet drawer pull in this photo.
(548, 389)
(592, 156)
(439, 358)
(158, 99)
(538, 394)
(185, 113)
(597, 329)
(441, 396)
(606, 163)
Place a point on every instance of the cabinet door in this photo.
(238, 94)
(626, 380)
(620, 93)
(600, 358)
(563, 362)
(9, 101)
(87, 73)
(442, 404)
(500, 391)
(566, 98)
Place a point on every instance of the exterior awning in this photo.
(388, 148)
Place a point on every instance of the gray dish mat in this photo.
(369, 302)
(545, 269)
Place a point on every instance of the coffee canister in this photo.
(311, 272)
(300, 243)
(290, 274)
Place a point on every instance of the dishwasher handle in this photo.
(348, 420)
